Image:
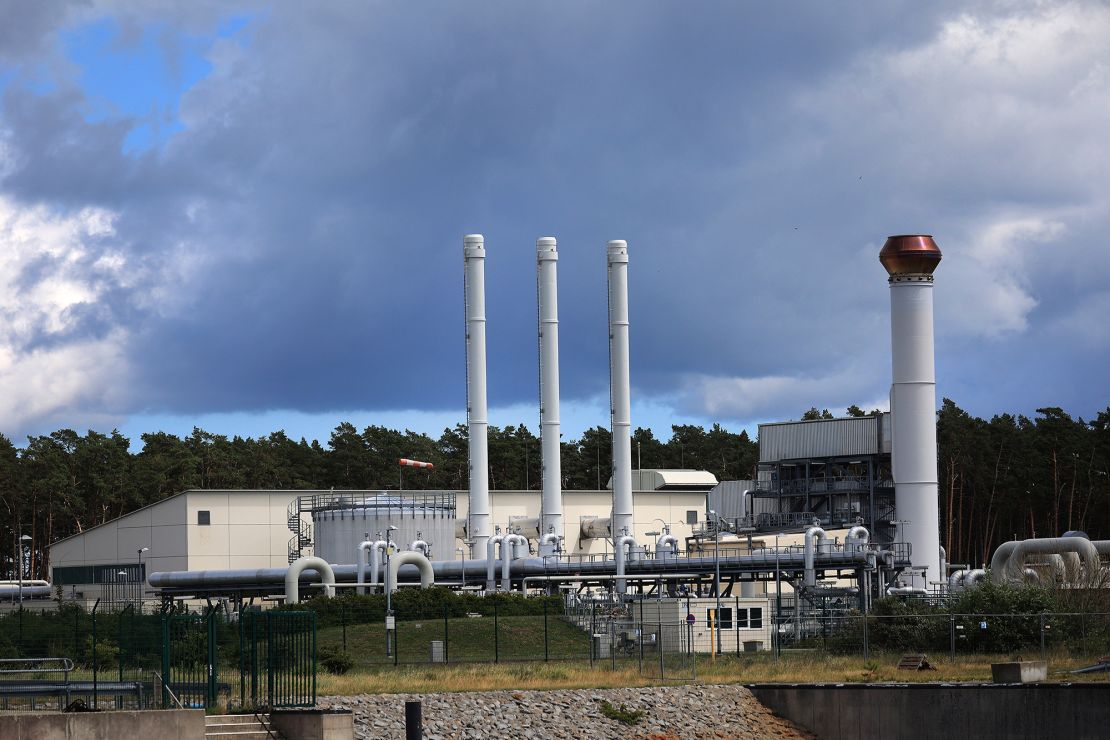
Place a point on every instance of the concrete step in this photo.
(237, 727)
(227, 719)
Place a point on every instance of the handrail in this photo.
(166, 686)
(34, 665)
(262, 720)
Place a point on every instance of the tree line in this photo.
(1006, 477)
(63, 483)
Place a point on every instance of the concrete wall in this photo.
(175, 723)
(904, 711)
(310, 724)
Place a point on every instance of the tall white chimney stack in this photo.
(477, 419)
(910, 261)
(551, 510)
(620, 406)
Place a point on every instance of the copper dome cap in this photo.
(909, 254)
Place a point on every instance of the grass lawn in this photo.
(467, 640)
(757, 668)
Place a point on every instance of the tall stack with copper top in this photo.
(910, 261)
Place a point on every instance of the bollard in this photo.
(413, 723)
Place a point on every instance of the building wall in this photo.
(670, 506)
(746, 620)
(247, 529)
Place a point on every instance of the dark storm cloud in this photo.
(298, 244)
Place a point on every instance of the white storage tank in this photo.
(340, 521)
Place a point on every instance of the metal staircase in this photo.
(302, 531)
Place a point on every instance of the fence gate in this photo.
(189, 660)
(277, 659)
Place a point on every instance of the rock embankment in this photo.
(669, 713)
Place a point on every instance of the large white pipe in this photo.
(293, 578)
(910, 261)
(491, 561)
(510, 548)
(477, 413)
(1015, 566)
(375, 550)
(427, 575)
(551, 511)
(619, 388)
(815, 537)
(624, 546)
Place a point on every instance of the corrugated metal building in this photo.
(835, 471)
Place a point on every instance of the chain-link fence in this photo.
(953, 634)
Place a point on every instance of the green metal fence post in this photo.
(496, 645)
(546, 647)
(312, 625)
(446, 638)
(1042, 636)
(210, 699)
(96, 668)
(343, 619)
(270, 661)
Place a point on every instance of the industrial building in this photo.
(839, 511)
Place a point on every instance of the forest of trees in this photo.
(1010, 476)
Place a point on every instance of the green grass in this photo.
(467, 640)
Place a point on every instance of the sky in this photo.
(249, 216)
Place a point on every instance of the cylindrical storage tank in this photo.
(341, 521)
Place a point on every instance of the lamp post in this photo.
(389, 621)
(717, 576)
(19, 555)
(140, 579)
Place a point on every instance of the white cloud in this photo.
(766, 397)
(51, 267)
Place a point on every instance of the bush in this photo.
(336, 661)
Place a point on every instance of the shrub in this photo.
(336, 661)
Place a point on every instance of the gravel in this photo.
(670, 713)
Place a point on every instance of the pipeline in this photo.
(491, 561)
(815, 536)
(293, 575)
(421, 547)
(427, 575)
(550, 544)
(375, 548)
(620, 556)
(451, 570)
(666, 540)
(509, 547)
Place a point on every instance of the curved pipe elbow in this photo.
(293, 578)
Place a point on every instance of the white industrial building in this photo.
(202, 530)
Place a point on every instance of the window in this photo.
(726, 617)
(749, 618)
(692, 516)
(204, 518)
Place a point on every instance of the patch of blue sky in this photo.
(140, 78)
